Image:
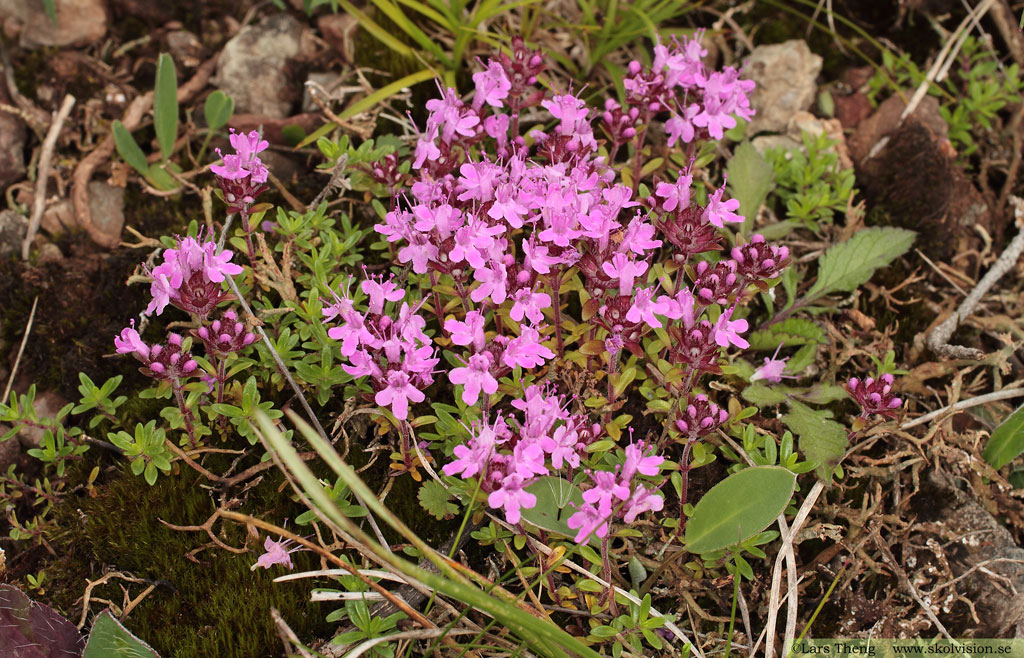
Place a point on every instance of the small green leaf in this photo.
(791, 331)
(729, 514)
(128, 149)
(764, 396)
(165, 105)
(750, 179)
(846, 265)
(110, 639)
(1007, 441)
(436, 500)
(822, 441)
(218, 110)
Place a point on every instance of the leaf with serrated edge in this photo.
(846, 265)
(750, 179)
(822, 441)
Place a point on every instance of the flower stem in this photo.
(605, 558)
(684, 466)
(556, 285)
(186, 413)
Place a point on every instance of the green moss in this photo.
(218, 607)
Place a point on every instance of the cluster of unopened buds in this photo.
(875, 396)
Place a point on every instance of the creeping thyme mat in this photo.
(563, 370)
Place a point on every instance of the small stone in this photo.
(764, 143)
(106, 205)
(185, 48)
(49, 253)
(252, 67)
(46, 404)
(79, 22)
(786, 75)
(12, 143)
(12, 232)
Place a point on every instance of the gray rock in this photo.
(10, 450)
(185, 48)
(12, 143)
(79, 22)
(12, 232)
(49, 253)
(325, 84)
(252, 66)
(785, 74)
(46, 404)
(765, 142)
(106, 205)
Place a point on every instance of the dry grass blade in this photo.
(21, 350)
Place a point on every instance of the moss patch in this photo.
(218, 607)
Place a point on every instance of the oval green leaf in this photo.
(739, 507)
(555, 498)
(165, 105)
(1007, 441)
(218, 110)
(110, 639)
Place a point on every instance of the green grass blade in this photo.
(50, 6)
(376, 30)
(165, 105)
(398, 17)
(543, 636)
(433, 15)
(386, 92)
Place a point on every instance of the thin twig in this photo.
(21, 350)
(945, 57)
(425, 634)
(288, 636)
(43, 172)
(1004, 394)
(938, 339)
(909, 586)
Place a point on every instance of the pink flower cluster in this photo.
(700, 103)
(393, 351)
(242, 177)
(875, 396)
(509, 455)
(162, 362)
(618, 494)
(191, 276)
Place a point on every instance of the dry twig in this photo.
(938, 339)
(21, 350)
(43, 173)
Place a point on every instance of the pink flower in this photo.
(129, 342)
(590, 522)
(526, 350)
(644, 309)
(493, 283)
(623, 268)
(772, 369)
(492, 85)
(276, 552)
(473, 458)
(475, 376)
(512, 498)
(398, 393)
(381, 291)
(468, 332)
(561, 445)
(637, 462)
(642, 500)
(530, 304)
(728, 331)
(675, 195)
(718, 211)
(536, 257)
